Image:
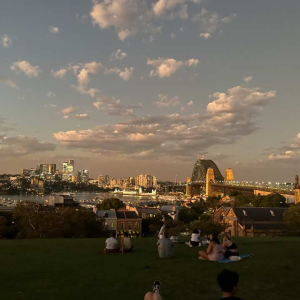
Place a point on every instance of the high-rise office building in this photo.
(68, 170)
(52, 169)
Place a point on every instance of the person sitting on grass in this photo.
(228, 281)
(165, 246)
(111, 244)
(195, 241)
(126, 243)
(214, 250)
(156, 292)
(229, 246)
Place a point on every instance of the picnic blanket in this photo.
(227, 260)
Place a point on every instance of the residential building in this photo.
(255, 221)
(62, 201)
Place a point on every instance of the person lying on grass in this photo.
(126, 244)
(214, 250)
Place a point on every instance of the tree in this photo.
(187, 215)
(212, 202)
(292, 219)
(111, 203)
(208, 226)
(241, 200)
(35, 220)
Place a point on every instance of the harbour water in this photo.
(78, 197)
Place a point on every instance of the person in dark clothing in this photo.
(228, 281)
(229, 246)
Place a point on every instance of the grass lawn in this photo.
(71, 269)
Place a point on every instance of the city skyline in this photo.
(150, 86)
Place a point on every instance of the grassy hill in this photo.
(71, 269)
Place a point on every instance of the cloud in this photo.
(210, 22)
(54, 29)
(68, 110)
(25, 67)
(166, 101)
(83, 77)
(12, 146)
(165, 67)
(205, 35)
(61, 73)
(128, 17)
(5, 41)
(247, 79)
(288, 153)
(185, 107)
(51, 95)
(173, 35)
(8, 81)
(66, 117)
(230, 116)
(118, 55)
(50, 105)
(125, 75)
(114, 107)
(81, 116)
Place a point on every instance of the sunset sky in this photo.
(128, 87)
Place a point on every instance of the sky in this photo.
(128, 87)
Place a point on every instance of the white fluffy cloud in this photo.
(126, 74)
(128, 17)
(289, 152)
(114, 107)
(166, 101)
(81, 116)
(25, 67)
(165, 67)
(8, 81)
(205, 35)
(210, 22)
(230, 116)
(185, 107)
(118, 55)
(247, 79)
(51, 95)
(68, 110)
(6, 41)
(54, 29)
(61, 73)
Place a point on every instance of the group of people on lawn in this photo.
(215, 250)
(112, 246)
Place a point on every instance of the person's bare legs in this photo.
(153, 296)
(203, 255)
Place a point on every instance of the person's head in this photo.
(213, 237)
(227, 236)
(112, 235)
(196, 231)
(166, 235)
(126, 234)
(228, 281)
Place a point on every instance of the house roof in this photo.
(170, 208)
(125, 214)
(259, 213)
(148, 210)
(110, 214)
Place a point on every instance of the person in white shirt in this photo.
(111, 244)
(195, 241)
